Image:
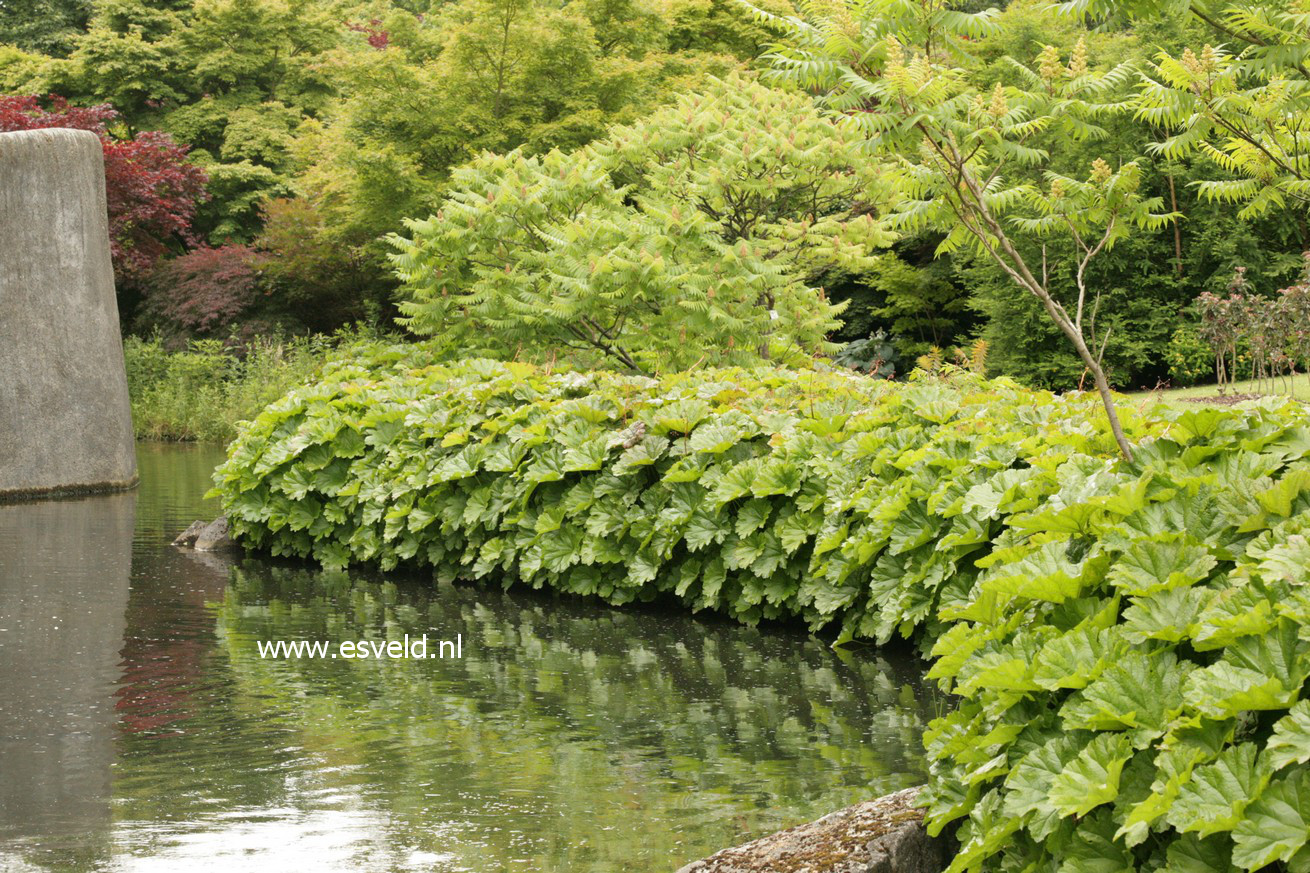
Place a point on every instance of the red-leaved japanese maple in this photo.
(206, 292)
(151, 188)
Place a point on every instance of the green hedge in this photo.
(768, 493)
(1129, 642)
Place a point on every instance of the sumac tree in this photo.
(966, 150)
(691, 237)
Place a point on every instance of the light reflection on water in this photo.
(140, 730)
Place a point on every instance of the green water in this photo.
(141, 730)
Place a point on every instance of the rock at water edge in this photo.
(187, 538)
(214, 537)
(880, 836)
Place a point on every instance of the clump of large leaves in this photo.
(759, 493)
(1133, 662)
(1130, 641)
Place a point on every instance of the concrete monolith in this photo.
(65, 420)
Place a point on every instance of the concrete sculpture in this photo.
(65, 419)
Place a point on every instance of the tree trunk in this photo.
(1014, 264)
(1098, 376)
(1075, 335)
(1178, 230)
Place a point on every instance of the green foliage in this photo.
(1134, 716)
(42, 25)
(687, 237)
(356, 112)
(19, 70)
(326, 284)
(1190, 358)
(918, 302)
(205, 391)
(963, 151)
(762, 493)
(1142, 303)
(1128, 639)
(958, 143)
(485, 75)
(1137, 317)
(323, 125)
(1241, 110)
(875, 355)
(231, 78)
(1143, 283)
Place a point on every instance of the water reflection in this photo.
(569, 737)
(63, 598)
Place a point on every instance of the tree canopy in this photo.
(321, 127)
(688, 237)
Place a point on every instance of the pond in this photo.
(140, 729)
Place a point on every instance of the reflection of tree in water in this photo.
(186, 748)
(169, 635)
(168, 643)
(169, 638)
(573, 735)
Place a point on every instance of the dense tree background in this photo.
(320, 127)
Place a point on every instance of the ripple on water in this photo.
(140, 730)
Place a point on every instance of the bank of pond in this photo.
(1128, 642)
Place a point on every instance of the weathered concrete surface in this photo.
(881, 836)
(65, 421)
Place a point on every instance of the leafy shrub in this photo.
(177, 395)
(909, 294)
(1130, 640)
(1189, 357)
(690, 237)
(1275, 332)
(208, 292)
(204, 391)
(875, 355)
(771, 493)
(1141, 314)
(322, 280)
(1132, 662)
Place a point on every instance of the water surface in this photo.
(140, 729)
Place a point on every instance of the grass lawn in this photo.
(1201, 393)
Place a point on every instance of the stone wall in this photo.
(65, 420)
